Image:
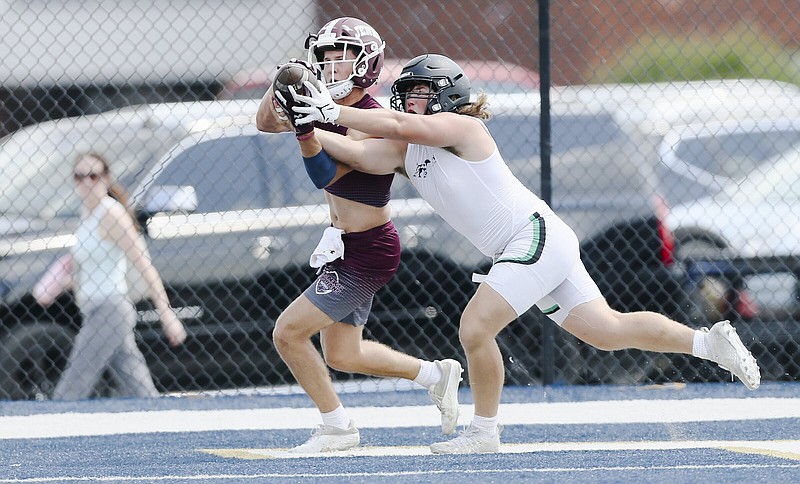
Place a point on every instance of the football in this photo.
(292, 74)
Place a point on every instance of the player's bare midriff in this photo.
(353, 216)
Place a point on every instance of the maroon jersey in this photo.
(357, 186)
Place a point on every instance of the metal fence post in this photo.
(548, 352)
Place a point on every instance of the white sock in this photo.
(699, 348)
(485, 424)
(337, 418)
(429, 373)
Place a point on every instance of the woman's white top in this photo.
(102, 265)
(482, 200)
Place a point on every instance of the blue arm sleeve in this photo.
(320, 168)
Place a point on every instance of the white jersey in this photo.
(102, 264)
(482, 200)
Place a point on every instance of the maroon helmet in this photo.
(348, 33)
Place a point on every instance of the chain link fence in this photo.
(674, 154)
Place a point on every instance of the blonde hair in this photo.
(478, 109)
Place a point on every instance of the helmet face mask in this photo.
(401, 94)
(350, 40)
(338, 67)
(449, 86)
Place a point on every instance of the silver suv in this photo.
(231, 220)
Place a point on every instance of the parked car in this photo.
(703, 136)
(754, 222)
(38, 213)
(230, 266)
(699, 137)
(36, 159)
(757, 215)
(231, 219)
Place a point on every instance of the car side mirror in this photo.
(170, 198)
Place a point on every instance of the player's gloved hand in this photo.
(279, 110)
(286, 103)
(317, 105)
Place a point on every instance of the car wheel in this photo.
(32, 359)
(696, 244)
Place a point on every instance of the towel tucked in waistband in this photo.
(330, 248)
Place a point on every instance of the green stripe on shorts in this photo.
(551, 309)
(537, 244)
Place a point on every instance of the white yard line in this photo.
(787, 449)
(73, 424)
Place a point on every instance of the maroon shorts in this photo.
(345, 288)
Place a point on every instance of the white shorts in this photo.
(542, 266)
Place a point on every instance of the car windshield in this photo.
(580, 143)
(36, 162)
(779, 182)
(736, 154)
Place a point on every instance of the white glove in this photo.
(317, 106)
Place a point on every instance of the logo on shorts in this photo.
(327, 282)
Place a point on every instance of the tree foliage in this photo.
(741, 52)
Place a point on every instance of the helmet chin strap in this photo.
(340, 89)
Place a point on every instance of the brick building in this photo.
(584, 33)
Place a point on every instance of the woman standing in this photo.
(106, 240)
